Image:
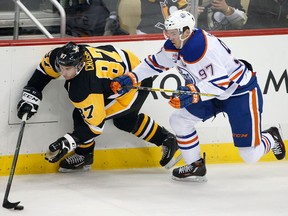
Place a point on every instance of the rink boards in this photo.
(116, 149)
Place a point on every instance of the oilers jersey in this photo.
(205, 61)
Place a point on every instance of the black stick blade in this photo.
(8, 205)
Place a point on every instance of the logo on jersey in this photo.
(175, 57)
(186, 75)
(46, 64)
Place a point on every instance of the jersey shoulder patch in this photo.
(195, 48)
(48, 63)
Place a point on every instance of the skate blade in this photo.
(82, 169)
(198, 179)
(173, 161)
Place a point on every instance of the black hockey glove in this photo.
(61, 147)
(29, 103)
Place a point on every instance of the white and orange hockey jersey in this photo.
(205, 61)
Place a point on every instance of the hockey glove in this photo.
(29, 103)
(61, 147)
(119, 85)
(182, 100)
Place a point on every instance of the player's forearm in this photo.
(144, 71)
(39, 80)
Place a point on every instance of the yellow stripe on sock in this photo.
(155, 126)
(144, 122)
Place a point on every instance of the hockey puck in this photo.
(19, 207)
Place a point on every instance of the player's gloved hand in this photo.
(178, 100)
(112, 24)
(29, 103)
(61, 147)
(121, 84)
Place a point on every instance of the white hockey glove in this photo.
(29, 103)
(61, 147)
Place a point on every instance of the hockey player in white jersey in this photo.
(208, 66)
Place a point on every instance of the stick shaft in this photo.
(15, 158)
(170, 90)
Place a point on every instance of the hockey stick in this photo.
(6, 203)
(142, 88)
(150, 89)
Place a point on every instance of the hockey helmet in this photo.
(70, 55)
(180, 19)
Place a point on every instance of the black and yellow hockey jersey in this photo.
(90, 89)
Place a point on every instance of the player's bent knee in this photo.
(126, 123)
(249, 155)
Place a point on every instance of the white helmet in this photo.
(180, 19)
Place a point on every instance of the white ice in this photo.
(259, 189)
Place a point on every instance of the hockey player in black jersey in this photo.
(88, 72)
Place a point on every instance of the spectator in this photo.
(92, 18)
(152, 12)
(267, 14)
(221, 15)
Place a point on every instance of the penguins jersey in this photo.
(90, 89)
(204, 61)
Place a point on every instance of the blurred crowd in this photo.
(218, 14)
(123, 17)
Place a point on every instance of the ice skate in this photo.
(169, 148)
(76, 162)
(279, 148)
(195, 172)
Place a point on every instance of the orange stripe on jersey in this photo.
(171, 50)
(187, 142)
(224, 83)
(256, 119)
(155, 64)
(237, 75)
